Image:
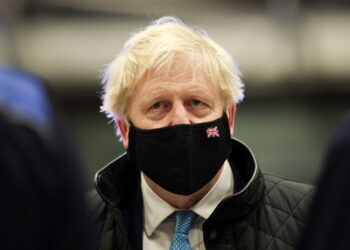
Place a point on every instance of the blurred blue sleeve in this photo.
(23, 98)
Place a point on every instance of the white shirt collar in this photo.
(156, 210)
(221, 189)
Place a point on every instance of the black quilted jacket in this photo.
(265, 213)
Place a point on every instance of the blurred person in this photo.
(184, 183)
(42, 190)
(329, 224)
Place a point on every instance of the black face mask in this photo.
(181, 158)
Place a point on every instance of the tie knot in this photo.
(184, 220)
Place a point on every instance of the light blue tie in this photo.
(183, 222)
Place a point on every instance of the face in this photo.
(162, 100)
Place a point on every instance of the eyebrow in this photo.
(194, 91)
(162, 91)
(156, 95)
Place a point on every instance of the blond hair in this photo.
(158, 47)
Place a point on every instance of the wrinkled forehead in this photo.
(182, 68)
(176, 74)
(174, 79)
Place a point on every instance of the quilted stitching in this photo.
(307, 195)
(271, 235)
(290, 215)
(283, 212)
(274, 185)
(287, 204)
(275, 225)
(283, 181)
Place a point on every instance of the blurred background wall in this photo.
(294, 56)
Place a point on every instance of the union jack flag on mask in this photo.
(213, 132)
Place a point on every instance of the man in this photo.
(41, 183)
(184, 183)
(329, 222)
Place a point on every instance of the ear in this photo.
(231, 112)
(124, 131)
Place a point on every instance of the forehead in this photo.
(182, 82)
(180, 72)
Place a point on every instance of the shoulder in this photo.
(108, 223)
(288, 196)
(278, 221)
(285, 184)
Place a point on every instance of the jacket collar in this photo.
(248, 194)
(119, 180)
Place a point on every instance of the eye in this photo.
(157, 105)
(196, 102)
